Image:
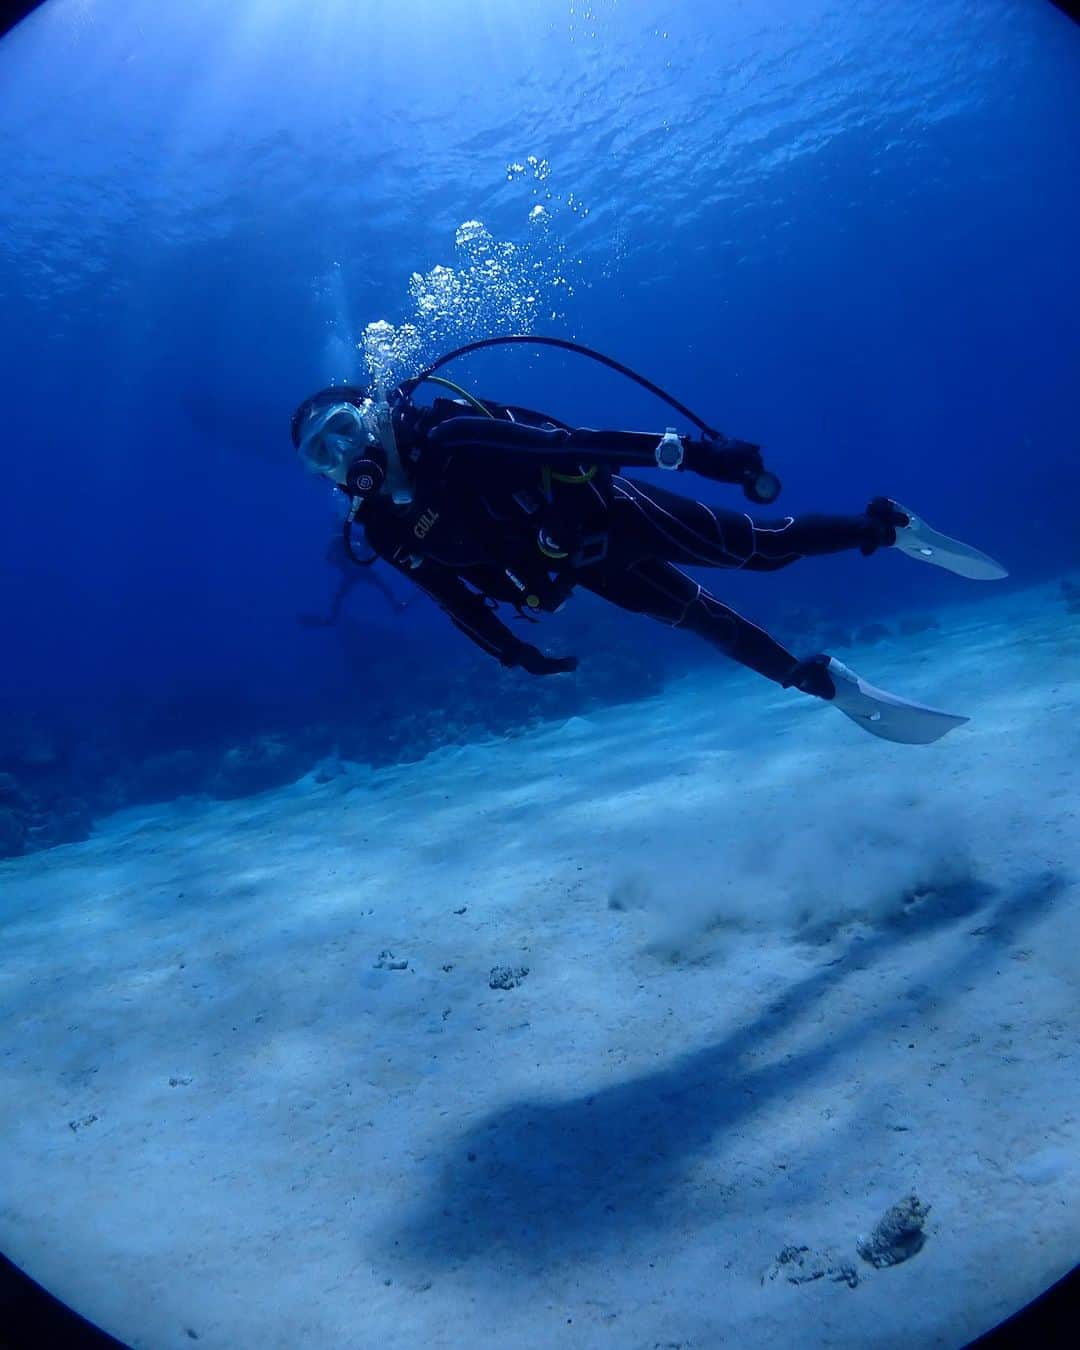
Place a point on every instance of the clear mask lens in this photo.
(332, 438)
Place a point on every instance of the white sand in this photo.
(767, 1042)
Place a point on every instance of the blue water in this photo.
(844, 230)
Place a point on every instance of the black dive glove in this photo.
(533, 660)
(732, 461)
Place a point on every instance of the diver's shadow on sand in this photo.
(543, 1180)
(919, 912)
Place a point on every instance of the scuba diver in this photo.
(482, 504)
(350, 577)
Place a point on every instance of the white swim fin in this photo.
(885, 715)
(919, 541)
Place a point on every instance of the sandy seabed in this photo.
(765, 977)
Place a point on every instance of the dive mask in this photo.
(333, 438)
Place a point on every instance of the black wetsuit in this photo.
(518, 508)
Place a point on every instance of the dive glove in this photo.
(533, 660)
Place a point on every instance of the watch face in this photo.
(669, 453)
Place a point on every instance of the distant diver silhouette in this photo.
(350, 577)
(482, 503)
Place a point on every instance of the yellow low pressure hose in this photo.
(449, 384)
